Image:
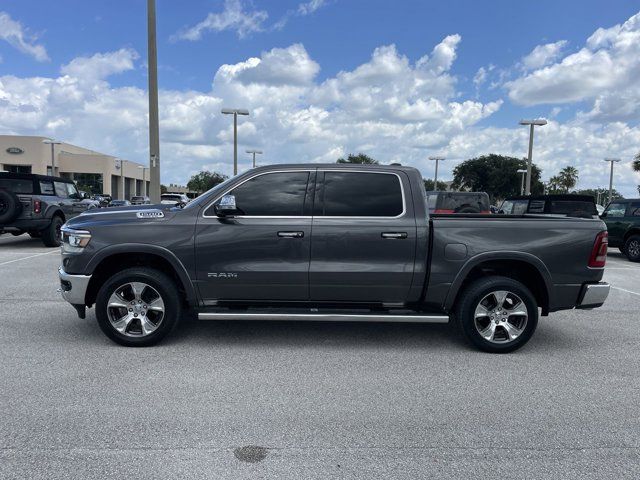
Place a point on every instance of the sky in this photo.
(399, 81)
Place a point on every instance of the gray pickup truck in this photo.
(328, 242)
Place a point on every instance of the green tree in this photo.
(163, 189)
(565, 180)
(495, 174)
(636, 167)
(203, 181)
(601, 194)
(359, 158)
(428, 185)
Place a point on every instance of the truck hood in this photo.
(123, 215)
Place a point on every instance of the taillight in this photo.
(599, 253)
(37, 206)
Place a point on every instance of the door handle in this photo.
(394, 235)
(291, 234)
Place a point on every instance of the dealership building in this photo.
(92, 171)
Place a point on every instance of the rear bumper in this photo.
(593, 295)
(73, 287)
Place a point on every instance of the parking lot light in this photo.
(254, 152)
(612, 160)
(437, 160)
(52, 142)
(235, 112)
(523, 172)
(532, 123)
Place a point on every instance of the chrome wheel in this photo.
(135, 309)
(501, 317)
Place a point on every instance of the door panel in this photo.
(247, 259)
(363, 258)
(261, 253)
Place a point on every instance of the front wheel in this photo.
(497, 314)
(138, 307)
(52, 235)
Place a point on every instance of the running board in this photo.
(325, 317)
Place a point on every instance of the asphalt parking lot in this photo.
(315, 400)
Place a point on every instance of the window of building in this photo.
(89, 182)
(360, 194)
(17, 168)
(271, 194)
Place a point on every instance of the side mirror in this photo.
(227, 206)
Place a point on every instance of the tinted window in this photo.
(46, 188)
(355, 194)
(573, 207)
(72, 190)
(272, 194)
(536, 206)
(515, 207)
(634, 210)
(616, 209)
(17, 185)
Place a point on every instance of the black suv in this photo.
(38, 205)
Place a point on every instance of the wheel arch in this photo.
(630, 232)
(523, 267)
(111, 260)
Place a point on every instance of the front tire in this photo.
(138, 307)
(52, 235)
(632, 248)
(497, 314)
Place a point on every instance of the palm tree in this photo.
(568, 177)
(636, 167)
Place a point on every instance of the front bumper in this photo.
(593, 295)
(73, 287)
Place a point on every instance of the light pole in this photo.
(235, 112)
(532, 123)
(437, 160)
(522, 171)
(154, 129)
(122, 162)
(612, 160)
(144, 183)
(53, 157)
(259, 152)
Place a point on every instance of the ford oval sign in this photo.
(15, 150)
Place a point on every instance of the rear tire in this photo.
(632, 248)
(497, 314)
(138, 307)
(52, 236)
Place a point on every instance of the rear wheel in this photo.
(497, 314)
(138, 307)
(632, 248)
(52, 235)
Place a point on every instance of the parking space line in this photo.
(30, 256)
(624, 290)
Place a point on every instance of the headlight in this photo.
(74, 241)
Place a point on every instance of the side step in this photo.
(325, 317)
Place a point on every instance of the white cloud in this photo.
(310, 7)
(100, 65)
(233, 17)
(390, 107)
(543, 55)
(609, 62)
(17, 36)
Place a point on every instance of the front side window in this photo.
(72, 191)
(61, 189)
(278, 194)
(361, 194)
(616, 209)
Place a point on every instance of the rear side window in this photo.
(572, 207)
(17, 185)
(46, 188)
(361, 194)
(634, 209)
(279, 194)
